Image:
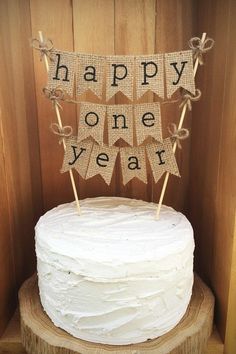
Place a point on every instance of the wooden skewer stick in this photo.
(175, 144)
(60, 125)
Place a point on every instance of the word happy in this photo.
(158, 73)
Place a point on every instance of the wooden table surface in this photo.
(10, 343)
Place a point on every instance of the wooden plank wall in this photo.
(212, 192)
(20, 183)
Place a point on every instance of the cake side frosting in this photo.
(114, 274)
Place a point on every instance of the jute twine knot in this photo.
(178, 134)
(55, 95)
(188, 98)
(44, 47)
(200, 47)
(63, 132)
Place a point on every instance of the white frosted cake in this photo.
(114, 274)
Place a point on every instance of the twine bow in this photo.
(63, 132)
(44, 47)
(55, 95)
(199, 47)
(178, 134)
(188, 98)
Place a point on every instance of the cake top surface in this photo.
(113, 228)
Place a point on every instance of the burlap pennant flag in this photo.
(133, 163)
(179, 72)
(149, 74)
(62, 71)
(76, 155)
(148, 121)
(119, 75)
(90, 73)
(120, 123)
(162, 159)
(102, 162)
(91, 121)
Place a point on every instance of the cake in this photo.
(114, 274)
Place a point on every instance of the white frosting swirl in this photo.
(114, 274)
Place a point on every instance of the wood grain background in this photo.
(31, 158)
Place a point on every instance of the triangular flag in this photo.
(119, 75)
(148, 121)
(150, 74)
(76, 155)
(90, 73)
(102, 162)
(179, 72)
(120, 123)
(133, 163)
(91, 121)
(62, 71)
(162, 159)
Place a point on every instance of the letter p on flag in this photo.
(119, 72)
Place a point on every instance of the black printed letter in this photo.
(116, 116)
(145, 119)
(159, 153)
(60, 67)
(102, 157)
(90, 75)
(178, 72)
(133, 163)
(115, 77)
(91, 124)
(76, 156)
(151, 74)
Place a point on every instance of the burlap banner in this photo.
(90, 73)
(76, 156)
(120, 123)
(133, 163)
(90, 159)
(148, 121)
(149, 74)
(91, 70)
(91, 122)
(119, 75)
(62, 69)
(102, 162)
(162, 159)
(179, 72)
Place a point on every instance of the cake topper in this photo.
(136, 124)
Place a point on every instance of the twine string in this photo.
(44, 47)
(188, 98)
(56, 94)
(200, 47)
(63, 132)
(178, 134)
